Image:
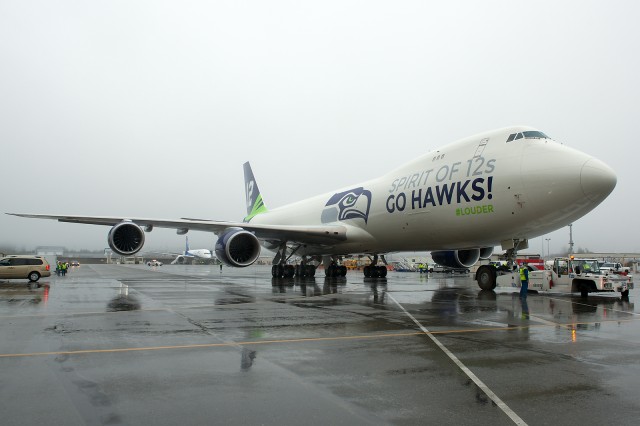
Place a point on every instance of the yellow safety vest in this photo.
(523, 277)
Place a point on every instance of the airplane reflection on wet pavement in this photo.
(183, 342)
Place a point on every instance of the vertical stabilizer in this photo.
(255, 205)
(186, 249)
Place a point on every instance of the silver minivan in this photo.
(27, 267)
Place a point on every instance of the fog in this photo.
(150, 108)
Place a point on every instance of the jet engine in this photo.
(126, 238)
(237, 247)
(486, 252)
(458, 259)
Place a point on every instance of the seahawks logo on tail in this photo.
(255, 205)
(352, 204)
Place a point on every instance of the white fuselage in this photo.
(476, 192)
(202, 253)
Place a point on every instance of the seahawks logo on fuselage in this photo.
(352, 204)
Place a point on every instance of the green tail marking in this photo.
(258, 208)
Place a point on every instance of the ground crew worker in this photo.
(524, 280)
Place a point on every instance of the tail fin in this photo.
(255, 205)
(186, 249)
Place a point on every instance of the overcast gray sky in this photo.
(149, 108)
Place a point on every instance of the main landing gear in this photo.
(290, 271)
(375, 271)
(280, 269)
(332, 269)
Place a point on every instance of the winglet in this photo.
(255, 205)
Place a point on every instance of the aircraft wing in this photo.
(314, 234)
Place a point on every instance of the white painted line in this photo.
(504, 407)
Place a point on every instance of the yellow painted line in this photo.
(301, 340)
(72, 314)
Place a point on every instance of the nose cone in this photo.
(597, 180)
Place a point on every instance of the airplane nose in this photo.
(597, 179)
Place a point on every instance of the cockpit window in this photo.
(534, 134)
(531, 134)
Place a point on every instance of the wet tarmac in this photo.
(190, 345)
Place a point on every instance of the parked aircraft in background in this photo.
(189, 255)
(460, 201)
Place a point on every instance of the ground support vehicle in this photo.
(568, 275)
(613, 267)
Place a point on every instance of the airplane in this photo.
(190, 255)
(499, 188)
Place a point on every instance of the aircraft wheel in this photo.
(289, 271)
(486, 277)
(375, 272)
(367, 271)
(279, 271)
(310, 271)
(584, 293)
(330, 271)
(382, 271)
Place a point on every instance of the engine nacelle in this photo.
(237, 247)
(457, 259)
(486, 252)
(126, 238)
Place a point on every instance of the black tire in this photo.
(310, 271)
(382, 271)
(486, 277)
(367, 271)
(331, 271)
(374, 272)
(289, 271)
(33, 276)
(625, 294)
(277, 271)
(343, 271)
(584, 293)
